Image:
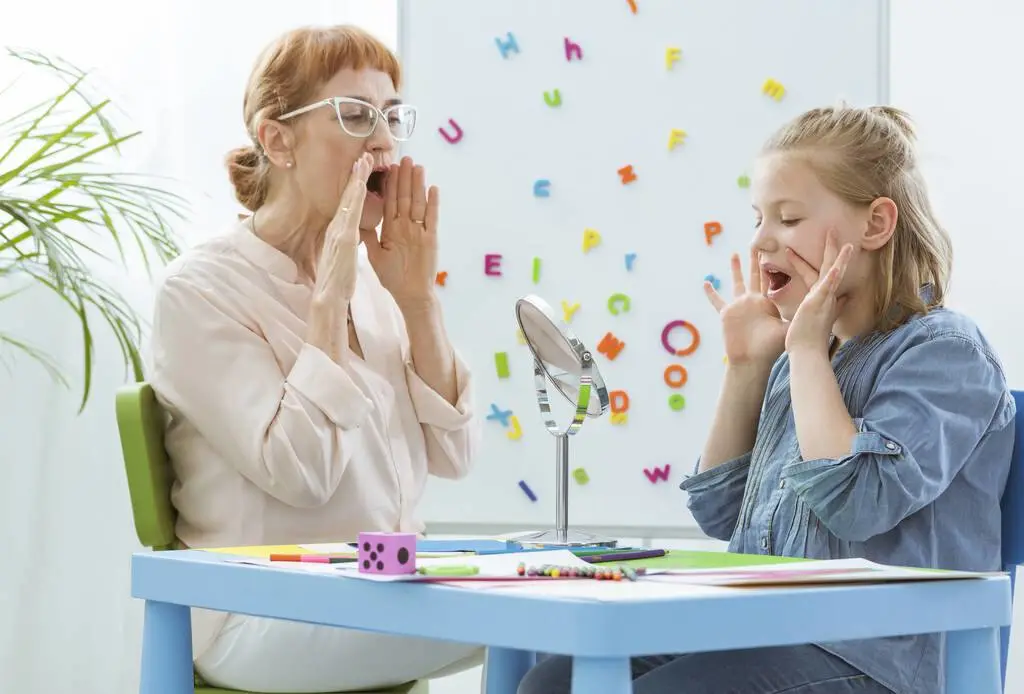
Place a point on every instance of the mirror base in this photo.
(572, 538)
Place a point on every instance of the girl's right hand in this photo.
(752, 329)
(337, 267)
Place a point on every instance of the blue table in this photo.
(600, 635)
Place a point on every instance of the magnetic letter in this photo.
(553, 99)
(615, 300)
(580, 475)
(499, 414)
(610, 346)
(773, 89)
(492, 264)
(676, 137)
(526, 490)
(501, 364)
(630, 257)
(507, 46)
(632, 6)
(672, 54)
(619, 417)
(676, 402)
(441, 277)
(591, 238)
(675, 376)
(626, 174)
(694, 338)
(715, 282)
(572, 49)
(568, 310)
(452, 139)
(658, 473)
(517, 431)
(619, 400)
(540, 188)
(536, 270)
(711, 230)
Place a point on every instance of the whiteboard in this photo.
(619, 97)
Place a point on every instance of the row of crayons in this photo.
(314, 558)
(600, 573)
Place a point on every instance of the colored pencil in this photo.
(623, 556)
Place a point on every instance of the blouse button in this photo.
(764, 543)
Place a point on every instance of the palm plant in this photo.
(62, 201)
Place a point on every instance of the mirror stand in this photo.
(561, 536)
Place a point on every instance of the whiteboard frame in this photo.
(628, 531)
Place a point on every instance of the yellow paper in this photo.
(256, 551)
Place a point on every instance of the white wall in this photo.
(66, 621)
(956, 68)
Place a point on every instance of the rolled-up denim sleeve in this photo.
(926, 415)
(714, 496)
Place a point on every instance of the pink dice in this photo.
(387, 553)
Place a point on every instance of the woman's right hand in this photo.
(753, 331)
(337, 266)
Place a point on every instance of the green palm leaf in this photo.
(63, 201)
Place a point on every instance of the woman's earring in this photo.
(288, 164)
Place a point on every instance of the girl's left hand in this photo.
(812, 324)
(405, 258)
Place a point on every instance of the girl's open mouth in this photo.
(777, 281)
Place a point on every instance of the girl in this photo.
(858, 416)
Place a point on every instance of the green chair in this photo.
(140, 421)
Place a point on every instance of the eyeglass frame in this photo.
(334, 101)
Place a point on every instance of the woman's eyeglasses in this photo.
(359, 118)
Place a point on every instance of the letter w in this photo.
(659, 473)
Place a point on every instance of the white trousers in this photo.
(256, 654)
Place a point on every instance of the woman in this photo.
(310, 385)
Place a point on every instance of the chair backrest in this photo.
(1012, 507)
(140, 421)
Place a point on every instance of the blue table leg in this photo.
(505, 668)
(166, 650)
(605, 675)
(972, 662)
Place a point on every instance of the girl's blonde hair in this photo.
(286, 76)
(862, 154)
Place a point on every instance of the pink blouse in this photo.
(270, 440)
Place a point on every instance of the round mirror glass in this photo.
(560, 353)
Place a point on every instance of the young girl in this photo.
(858, 416)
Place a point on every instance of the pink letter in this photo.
(451, 138)
(492, 264)
(571, 48)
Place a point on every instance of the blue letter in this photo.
(507, 46)
(630, 257)
(540, 188)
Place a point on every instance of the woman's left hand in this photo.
(812, 324)
(405, 259)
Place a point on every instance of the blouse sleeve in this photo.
(287, 433)
(919, 426)
(715, 495)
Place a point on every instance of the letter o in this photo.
(694, 338)
(675, 376)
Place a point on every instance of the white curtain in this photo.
(177, 71)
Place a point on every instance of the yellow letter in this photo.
(675, 137)
(591, 238)
(672, 54)
(774, 89)
(568, 310)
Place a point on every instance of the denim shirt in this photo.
(921, 485)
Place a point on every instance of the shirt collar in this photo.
(262, 254)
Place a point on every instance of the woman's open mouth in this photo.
(375, 182)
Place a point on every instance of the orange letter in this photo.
(675, 376)
(711, 229)
(619, 400)
(610, 346)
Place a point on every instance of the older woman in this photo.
(303, 359)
